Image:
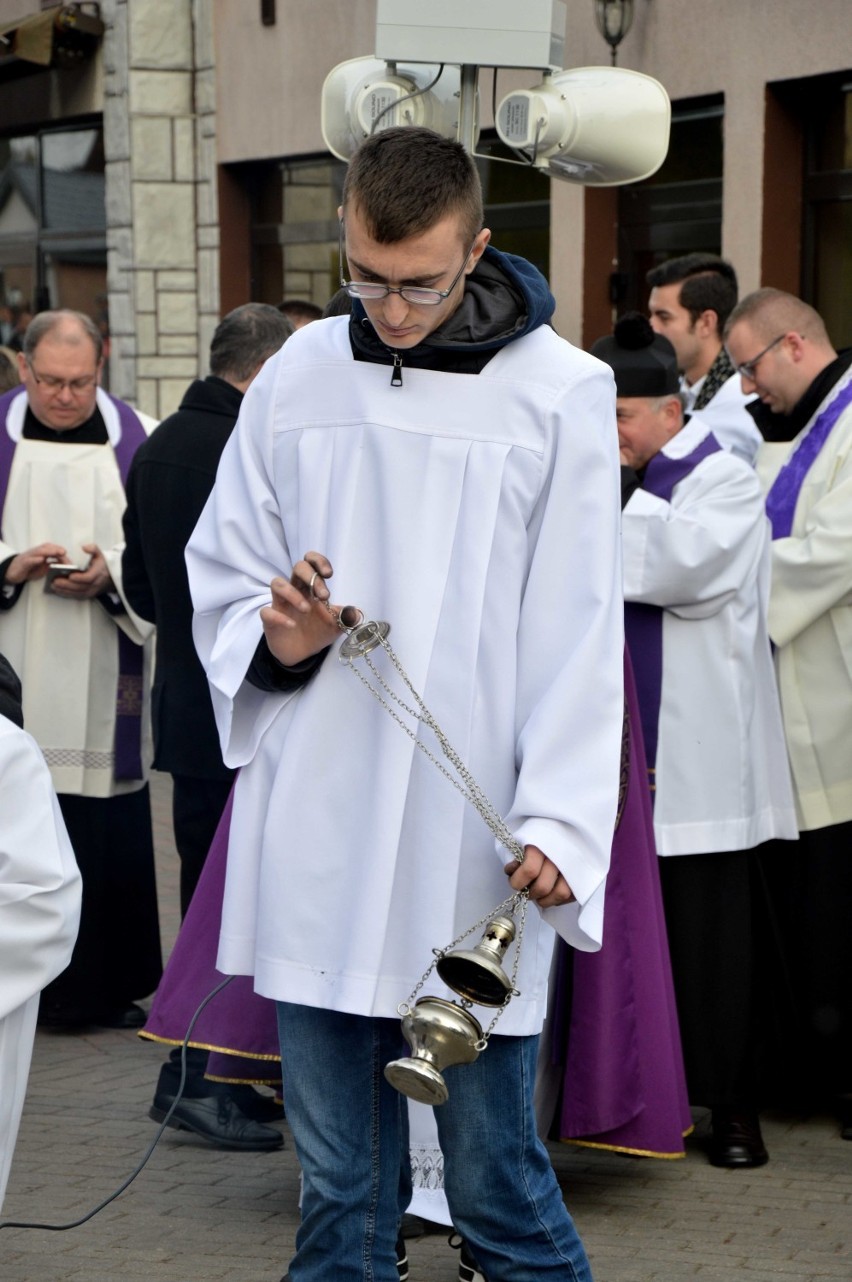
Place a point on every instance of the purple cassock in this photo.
(238, 1027)
(624, 1085)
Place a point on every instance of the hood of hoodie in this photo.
(504, 298)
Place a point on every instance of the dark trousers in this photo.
(809, 885)
(116, 958)
(709, 903)
(197, 806)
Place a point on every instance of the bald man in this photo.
(781, 350)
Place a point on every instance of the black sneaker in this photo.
(401, 1259)
(469, 1270)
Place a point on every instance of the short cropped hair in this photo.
(245, 338)
(406, 179)
(708, 283)
(773, 311)
(300, 309)
(9, 377)
(44, 323)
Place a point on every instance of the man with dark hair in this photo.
(782, 351)
(691, 299)
(457, 462)
(300, 312)
(169, 483)
(696, 575)
(66, 626)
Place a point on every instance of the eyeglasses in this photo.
(411, 293)
(76, 386)
(748, 368)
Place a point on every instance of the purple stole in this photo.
(784, 494)
(128, 722)
(643, 624)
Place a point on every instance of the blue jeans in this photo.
(350, 1128)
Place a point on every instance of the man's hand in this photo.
(34, 563)
(299, 623)
(85, 584)
(545, 882)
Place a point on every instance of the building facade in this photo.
(163, 162)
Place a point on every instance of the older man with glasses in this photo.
(65, 449)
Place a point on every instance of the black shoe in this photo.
(253, 1103)
(130, 1016)
(401, 1259)
(401, 1262)
(56, 1015)
(469, 1270)
(736, 1140)
(218, 1120)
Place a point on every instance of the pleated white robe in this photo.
(478, 514)
(66, 652)
(40, 891)
(722, 775)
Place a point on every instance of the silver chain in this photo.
(468, 787)
(376, 635)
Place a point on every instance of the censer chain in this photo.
(464, 784)
(468, 788)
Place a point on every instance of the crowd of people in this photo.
(619, 579)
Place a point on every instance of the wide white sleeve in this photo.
(812, 572)
(237, 548)
(691, 556)
(40, 886)
(570, 700)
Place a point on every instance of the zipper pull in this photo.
(396, 377)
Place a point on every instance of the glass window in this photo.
(52, 225)
(827, 276)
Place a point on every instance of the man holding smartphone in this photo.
(65, 449)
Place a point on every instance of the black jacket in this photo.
(170, 479)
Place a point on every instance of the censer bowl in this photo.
(439, 1034)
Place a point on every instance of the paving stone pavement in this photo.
(199, 1215)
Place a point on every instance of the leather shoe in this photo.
(57, 1015)
(130, 1016)
(251, 1103)
(736, 1140)
(254, 1104)
(218, 1120)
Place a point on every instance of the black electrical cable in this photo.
(416, 93)
(75, 1224)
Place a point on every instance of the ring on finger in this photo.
(314, 577)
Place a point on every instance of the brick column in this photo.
(159, 124)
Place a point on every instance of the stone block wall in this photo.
(163, 236)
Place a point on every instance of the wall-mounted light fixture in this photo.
(614, 19)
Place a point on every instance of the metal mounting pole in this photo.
(467, 107)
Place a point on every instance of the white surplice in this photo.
(726, 416)
(722, 777)
(810, 622)
(478, 514)
(40, 892)
(66, 652)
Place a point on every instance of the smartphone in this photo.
(59, 572)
